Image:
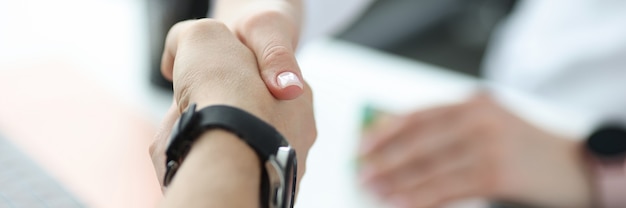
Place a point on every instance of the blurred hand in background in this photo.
(473, 149)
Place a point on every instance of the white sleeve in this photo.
(572, 52)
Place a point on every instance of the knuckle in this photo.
(204, 28)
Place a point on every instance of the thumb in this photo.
(273, 37)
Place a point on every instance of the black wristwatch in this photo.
(606, 151)
(278, 159)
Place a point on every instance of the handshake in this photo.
(210, 65)
(245, 59)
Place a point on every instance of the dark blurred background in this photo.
(453, 34)
(449, 33)
(163, 14)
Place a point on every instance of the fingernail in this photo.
(287, 79)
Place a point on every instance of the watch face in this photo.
(282, 171)
(608, 142)
(291, 171)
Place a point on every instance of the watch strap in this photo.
(606, 149)
(245, 125)
(610, 183)
(250, 129)
(264, 139)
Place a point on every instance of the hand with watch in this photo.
(279, 169)
(234, 145)
(479, 148)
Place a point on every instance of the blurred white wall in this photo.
(106, 39)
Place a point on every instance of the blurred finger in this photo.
(459, 158)
(421, 171)
(403, 126)
(403, 143)
(453, 185)
(437, 138)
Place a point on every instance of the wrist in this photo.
(231, 159)
(215, 97)
(225, 94)
(562, 180)
(574, 189)
(217, 154)
(218, 147)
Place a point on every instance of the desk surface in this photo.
(346, 77)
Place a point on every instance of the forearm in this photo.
(219, 171)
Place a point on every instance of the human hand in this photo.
(209, 66)
(271, 29)
(474, 149)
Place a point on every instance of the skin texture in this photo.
(210, 66)
(473, 149)
(195, 184)
(424, 159)
(271, 30)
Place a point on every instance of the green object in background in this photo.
(368, 117)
